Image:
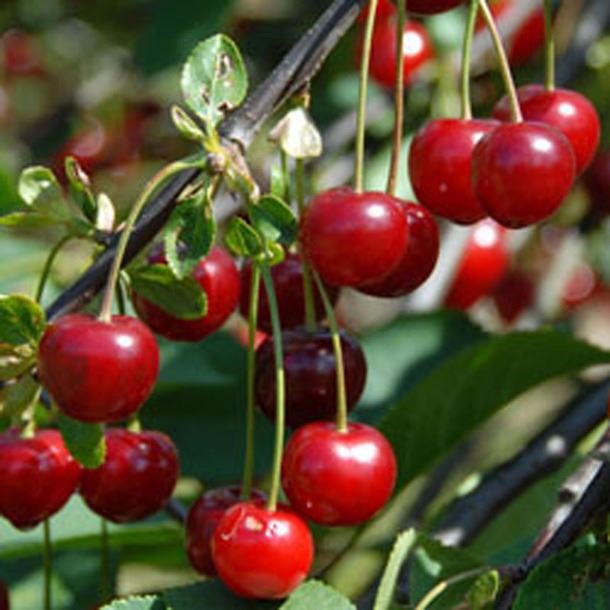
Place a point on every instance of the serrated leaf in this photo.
(17, 397)
(185, 125)
(138, 602)
(22, 320)
(484, 591)
(84, 441)
(467, 389)
(315, 594)
(242, 239)
(211, 595)
(274, 219)
(182, 298)
(40, 190)
(214, 79)
(80, 188)
(189, 234)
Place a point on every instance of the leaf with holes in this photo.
(84, 441)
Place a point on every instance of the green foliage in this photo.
(84, 441)
(274, 220)
(80, 189)
(186, 125)
(17, 397)
(210, 595)
(484, 591)
(137, 602)
(314, 594)
(242, 239)
(40, 190)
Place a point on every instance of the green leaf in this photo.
(466, 390)
(84, 441)
(189, 234)
(274, 219)
(22, 320)
(211, 595)
(18, 396)
(80, 188)
(279, 185)
(186, 126)
(27, 220)
(484, 591)
(40, 190)
(574, 578)
(137, 602)
(214, 79)
(182, 298)
(242, 239)
(402, 547)
(16, 360)
(314, 594)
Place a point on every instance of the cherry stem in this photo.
(105, 589)
(549, 46)
(134, 424)
(255, 284)
(342, 424)
(364, 81)
(47, 565)
(280, 391)
(466, 59)
(509, 83)
(44, 276)
(442, 586)
(285, 175)
(399, 99)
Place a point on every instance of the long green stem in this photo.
(255, 284)
(509, 83)
(441, 587)
(105, 588)
(285, 175)
(339, 363)
(48, 565)
(549, 46)
(466, 59)
(44, 276)
(399, 99)
(280, 390)
(364, 81)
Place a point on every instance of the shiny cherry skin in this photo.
(219, 279)
(310, 373)
(98, 371)
(513, 296)
(351, 239)
(417, 48)
(522, 172)
(262, 554)
(431, 7)
(597, 182)
(290, 293)
(338, 478)
(37, 477)
(137, 478)
(484, 263)
(569, 111)
(201, 522)
(440, 167)
(418, 260)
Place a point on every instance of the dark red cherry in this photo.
(203, 517)
(431, 7)
(351, 239)
(19, 54)
(528, 40)
(136, 480)
(597, 181)
(522, 172)
(513, 295)
(417, 50)
(310, 372)
(418, 260)
(338, 478)
(262, 554)
(483, 265)
(569, 111)
(98, 371)
(440, 167)
(37, 477)
(385, 9)
(289, 291)
(218, 277)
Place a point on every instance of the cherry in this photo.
(417, 50)
(137, 478)
(597, 181)
(310, 372)
(528, 39)
(440, 167)
(288, 282)
(203, 517)
(431, 7)
(513, 295)
(37, 477)
(20, 57)
(522, 172)
(262, 554)
(351, 239)
(385, 9)
(418, 259)
(98, 371)
(4, 596)
(334, 477)
(218, 277)
(569, 111)
(483, 265)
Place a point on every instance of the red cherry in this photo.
(201, 524)
(218, 277)
(351, 239)
(311, 378)
(338, 478)
(20, 56)
(483, 265)
(569, 111)
(440, 167)
(37, 477)
(597, 181)
(418, 259)
(431, 7)
(137, 478)
(289, 290)
(417, 48)
(261, 554)
(528, 39)
(385, 9)
(98, 371)
(513, 295)
(522, 172)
